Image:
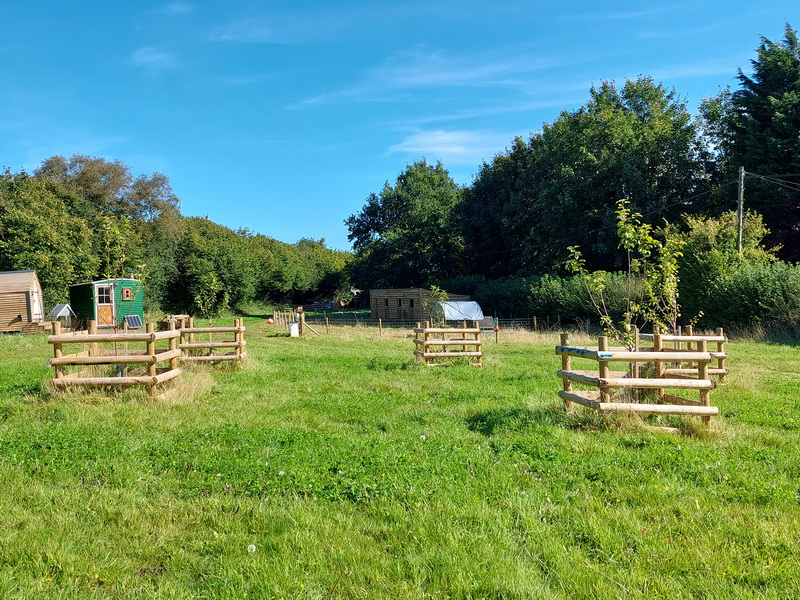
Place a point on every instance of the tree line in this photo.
(505, 238)
(83, 218)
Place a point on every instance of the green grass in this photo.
(357, 474)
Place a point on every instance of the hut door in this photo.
(105, 306)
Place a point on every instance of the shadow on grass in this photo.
(515, 419)
(488, 422)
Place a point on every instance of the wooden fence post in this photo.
(151, 350)
(566, 365)
(93, 347)
(702, 373)
(602, 346)
(721, 360)
(173, 345)
(57, 350)
(658, 345)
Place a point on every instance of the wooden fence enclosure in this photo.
(202, 344)
(432, 344)
(657, 388)
(688, 341)
(119, 356)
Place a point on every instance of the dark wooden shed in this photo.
(404, 304)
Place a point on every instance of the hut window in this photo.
(386, 302)
(104, 294)
(411, 303)
(127, 294)
(399, 303)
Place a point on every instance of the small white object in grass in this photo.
(280, 472)
(422, 437)
(251, 548)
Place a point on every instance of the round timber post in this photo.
(57, 350)
(602, 346)
(566, 365)
(173, 345)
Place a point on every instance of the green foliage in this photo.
(561, 187)
(652, 279)
(764, 293)
(355, 474)
(37, 232)
(404, 236)
(710, 252)
(761, 136)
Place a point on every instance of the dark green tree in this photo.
(404, 236)
(38, 232)
(210, 258)
(561, 188)
(764, 137)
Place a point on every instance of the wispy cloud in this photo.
(706, 68)
(152, 57)
(276, 28)
(173, 9)
(453, 147)
(401, 75)
(643, 13)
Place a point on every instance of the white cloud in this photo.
(153, 57)
(453, 147)
(295, 28)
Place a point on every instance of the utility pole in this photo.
(740, 209)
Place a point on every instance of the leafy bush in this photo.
(755, 293)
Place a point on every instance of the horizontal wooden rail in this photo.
(638, 382)
(106, 359)
(663, 409)
(149, 380)
(625, 356)
(184, 330)
(188, 346)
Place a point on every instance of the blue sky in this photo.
(283, 117)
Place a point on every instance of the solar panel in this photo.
(133, 321)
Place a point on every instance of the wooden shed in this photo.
(21, 307)
(404, 304)
(107, 301)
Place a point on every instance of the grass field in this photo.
(334, 467)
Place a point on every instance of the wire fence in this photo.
(532, 323)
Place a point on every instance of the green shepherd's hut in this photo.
(109, 302)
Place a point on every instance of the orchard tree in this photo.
(404, 235)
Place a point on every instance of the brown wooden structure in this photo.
(21, 304)
(687, 341)
(111, 351)
(433, 344)
(604, 382)
(202, 344)
(404, 304)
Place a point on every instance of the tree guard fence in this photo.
(107, 359)
(625, 390)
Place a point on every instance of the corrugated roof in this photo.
(16, 281)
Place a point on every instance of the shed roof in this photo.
(16, 281)
(61, 310)
(459, 310)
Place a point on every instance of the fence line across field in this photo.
(285, 317)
